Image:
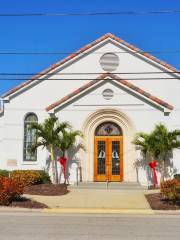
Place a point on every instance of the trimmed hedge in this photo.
(4, 173)
(170, 189)
(27, 177)
(9, 190)
(30, 177)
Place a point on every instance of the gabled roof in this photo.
(82, 50)
(117, 79)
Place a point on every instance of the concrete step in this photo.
(110, 185)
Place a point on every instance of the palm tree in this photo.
(158, 144)
(146, 143)
(166, 141)
(67, 139)
(47, 135)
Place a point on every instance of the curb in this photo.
(99, 211)
(18, 209)
(89, 211)
(167, 212)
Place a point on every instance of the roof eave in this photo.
(138, 91)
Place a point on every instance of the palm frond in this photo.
(68, 138)
(62, 126)
(36, 145)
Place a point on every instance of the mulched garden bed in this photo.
(156, 202)
(46, 189)
(27, 203)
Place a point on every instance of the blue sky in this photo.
(67, 34)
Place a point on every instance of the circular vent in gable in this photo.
(109, 62)
(108, 94)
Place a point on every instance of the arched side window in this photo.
(29, 137)
(108, 129)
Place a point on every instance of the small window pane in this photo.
(115, 158)
(101, 158)
(31, 118)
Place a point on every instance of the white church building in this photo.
(107, 91)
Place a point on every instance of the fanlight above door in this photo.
(108, 129)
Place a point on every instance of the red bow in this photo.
(153, 167)
(62, 161)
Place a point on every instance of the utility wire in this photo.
(88, 79)
(81, 14)
(93, 109)
(78, 53)
(86, 73)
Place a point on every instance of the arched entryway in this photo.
(108, 153)
(89, 129)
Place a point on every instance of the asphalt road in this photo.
(38, 226)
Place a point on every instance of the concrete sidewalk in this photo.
(96, 199)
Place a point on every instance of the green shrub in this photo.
(45, 178)
(4, 173)
(177, 176)
(9, 190)
(170, 189)
(30, 177)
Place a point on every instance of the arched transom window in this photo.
(108, 129)
(29, 137)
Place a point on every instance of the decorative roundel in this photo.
(109, 62)
(108, 94)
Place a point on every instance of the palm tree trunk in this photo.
(162, 170)
(53, 163)
(65, 168)
(56, 170)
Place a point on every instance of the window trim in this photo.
(25, 160)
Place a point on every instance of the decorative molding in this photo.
(121, 82)
(128, 129)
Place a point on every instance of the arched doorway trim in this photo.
(88, 129)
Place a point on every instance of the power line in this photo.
(90, 109)
(87, 73)
(64, 53)
(81, 14)
(87, 79)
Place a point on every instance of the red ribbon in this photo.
(153, 168)
(62, 161)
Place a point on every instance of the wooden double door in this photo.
(108, 158)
